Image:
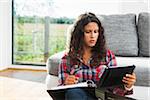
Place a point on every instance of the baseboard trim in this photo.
(3, 68)
(28, 67)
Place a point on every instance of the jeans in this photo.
(79, 94)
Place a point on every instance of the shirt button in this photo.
(75, 66)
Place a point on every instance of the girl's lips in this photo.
(92, 41)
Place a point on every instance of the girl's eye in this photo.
(87, 31)
(96, 31)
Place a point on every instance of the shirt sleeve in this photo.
(62, 71)
(120, 91)
(111, 59)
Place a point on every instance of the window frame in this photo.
(13, 63)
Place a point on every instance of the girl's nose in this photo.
(92, 34)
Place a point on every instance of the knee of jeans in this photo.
(76, 93)
(76, 90)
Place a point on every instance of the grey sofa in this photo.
(128, 36)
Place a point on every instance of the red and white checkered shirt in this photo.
(85, 72)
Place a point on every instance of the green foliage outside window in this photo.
(29, 38)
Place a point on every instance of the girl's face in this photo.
(91, 32)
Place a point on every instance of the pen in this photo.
(74, 71)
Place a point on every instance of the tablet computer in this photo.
(113, 76)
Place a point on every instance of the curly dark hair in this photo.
(77, 41)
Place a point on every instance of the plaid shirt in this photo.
(85, 72)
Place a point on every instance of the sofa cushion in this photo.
(144, 34)
(120, 33)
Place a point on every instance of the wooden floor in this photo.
(18, 84)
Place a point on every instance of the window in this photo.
(37, 31)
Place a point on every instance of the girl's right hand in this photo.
(71, 79)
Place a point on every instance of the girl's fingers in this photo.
(132, 76)
(131, 82)
(130, 79)
(71, 80)
(76, 78)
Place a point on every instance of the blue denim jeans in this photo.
(79, 94)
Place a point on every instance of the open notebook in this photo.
(88, 83)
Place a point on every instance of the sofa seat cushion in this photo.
(144, 34)
(142, 69)
(120, 32)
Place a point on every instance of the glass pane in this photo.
(37, 33)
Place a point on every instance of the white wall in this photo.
(5, 34)
(134, 6)
(106, 7)
(74, 8)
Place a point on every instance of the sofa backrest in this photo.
(143, 28)
(120, 33)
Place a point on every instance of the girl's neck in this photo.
(87, 50)
(87, 55)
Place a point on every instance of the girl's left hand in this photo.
(129, 80)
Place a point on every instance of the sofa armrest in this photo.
(53, 62)
(52, 65)
(51, 81)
